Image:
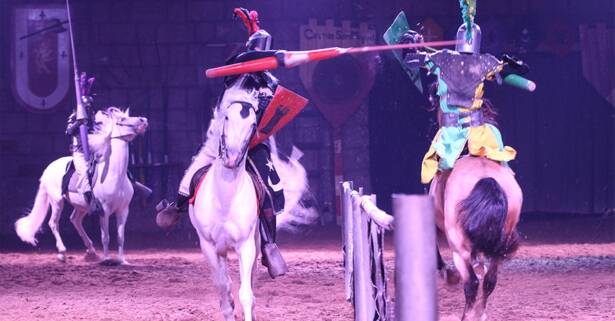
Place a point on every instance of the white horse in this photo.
(115, 129)
(225, 209)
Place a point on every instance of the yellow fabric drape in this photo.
(449, 142)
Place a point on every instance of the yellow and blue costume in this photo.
(460, 89)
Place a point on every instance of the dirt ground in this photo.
(543, 282)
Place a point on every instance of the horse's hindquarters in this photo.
(52, 177)
(482, 202)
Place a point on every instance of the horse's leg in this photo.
(221, 279)
(257, 245)
(104, 235)
(247, 258)
(441, 263)
(77, 219)
(447, 272)
(436, 191)
(470, 284)
(489, 282)
(120, 218)
(54, 225)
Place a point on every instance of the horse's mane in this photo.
(99, 139)
(242, 89)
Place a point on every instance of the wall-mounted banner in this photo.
(432, 30)
(337, 86)
(40, 55)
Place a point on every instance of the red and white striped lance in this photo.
(291, 59)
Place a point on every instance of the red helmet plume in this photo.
(249, 19)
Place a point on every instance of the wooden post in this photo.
(415, 258)
(364, 306)
(338, 169)
(378, 273)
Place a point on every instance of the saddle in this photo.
(70, 180)
(259, 185)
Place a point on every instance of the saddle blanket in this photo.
(199, 177)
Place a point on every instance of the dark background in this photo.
(150, 56)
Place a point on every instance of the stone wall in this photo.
(150, 56)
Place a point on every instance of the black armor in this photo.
(463, 73)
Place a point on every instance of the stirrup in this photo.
(273, 260)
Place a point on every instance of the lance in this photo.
(81, 113)
(291, 59)
(56, 27)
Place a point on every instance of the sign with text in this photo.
(337, 86)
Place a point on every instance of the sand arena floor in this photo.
(543, 282)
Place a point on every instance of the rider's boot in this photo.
(139, 188)
(260, 160)
(169, 214)
(94, 205)
(272, 258)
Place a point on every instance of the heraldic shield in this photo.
(40, 55)
(283, 108)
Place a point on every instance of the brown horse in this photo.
(477, 207)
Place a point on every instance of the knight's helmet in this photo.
(471, 45)
(259, 38)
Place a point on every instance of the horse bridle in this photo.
(222, 150)
(120, 123)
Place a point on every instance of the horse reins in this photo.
(222, 150)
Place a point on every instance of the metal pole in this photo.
(415, 258)
(364, 306)
(347, 238)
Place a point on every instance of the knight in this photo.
(460, 81)
(82, 162)
(259, 156)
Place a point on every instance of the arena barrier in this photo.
(365, 277)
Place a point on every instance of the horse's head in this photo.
(119, 124)
(238, 112)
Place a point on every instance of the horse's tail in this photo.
(26, 227)
(295, 183)
(483, 217)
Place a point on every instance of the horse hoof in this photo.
(110, 262)
(124, 262)
(61, 257)
(91, 256)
